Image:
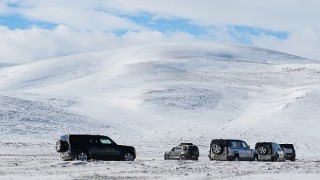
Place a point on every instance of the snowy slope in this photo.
(156, 96)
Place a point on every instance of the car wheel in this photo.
(128, 156)
(262, 150)
(236, 158)
(60, 146)
(293, 159)
(182, 158)
(165, 157)
(82, 156)
(216, 148)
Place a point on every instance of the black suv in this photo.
(289, 151)
(85, 147)
(183, 151)
(231, 150)
(269, 151)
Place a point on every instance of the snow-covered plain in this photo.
(154, 97)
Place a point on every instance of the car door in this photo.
(108, 150)
(246, 153)
(172, 153)
(178, 152)
(281, 153)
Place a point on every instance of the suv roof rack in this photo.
(188, 144)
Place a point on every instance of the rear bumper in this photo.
(66, 156)
(265, 157)
(221, 157)
(290, 156)
(193, 157)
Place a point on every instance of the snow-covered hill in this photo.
(156, 96)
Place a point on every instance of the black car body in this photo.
(184, 151)
(84, 147)
(269, 151)
(290, 152)
(231, 150)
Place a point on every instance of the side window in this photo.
(233, 144)
(93, 140)
(105, 140)
(244, 145)
(238, 144)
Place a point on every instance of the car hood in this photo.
(127, 147)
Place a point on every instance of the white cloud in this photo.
(303, 42)
(88, 25)
(22, 46)
(270, 14)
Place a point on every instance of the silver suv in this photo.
(270, 151)
(231, 150)
(183, 151)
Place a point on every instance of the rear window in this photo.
(288, 146)
(218, 141)
(64, 138)
(193, 148)
(267, 145)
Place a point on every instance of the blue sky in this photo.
(290, 25)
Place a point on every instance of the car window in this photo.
(93, 140)
(233, 144)
(244, 145)
(105, 140)
(236, 144)
(64, 138)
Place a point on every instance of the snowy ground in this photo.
(154, 97)
(46, 165)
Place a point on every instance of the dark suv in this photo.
(183, 151)
(289, 151)
(85, 147)
(231, 150)
(269, 151)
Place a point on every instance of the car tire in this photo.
(82, 156)
(61, 146)
(236, 158)
(293, 159)
(182, 158)
(128, 156)
(216, 149)
(262, 150)
(165, 157)
(276, 158)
